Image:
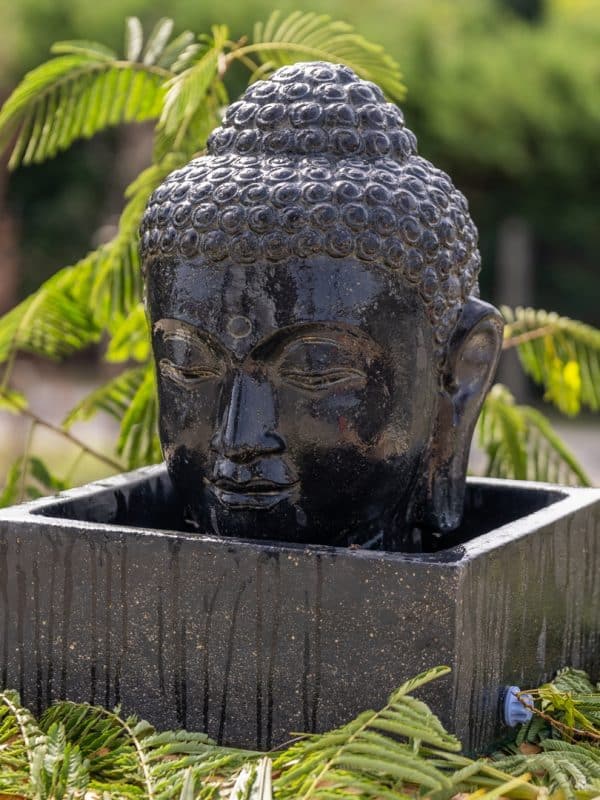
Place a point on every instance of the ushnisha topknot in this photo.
(314, 161)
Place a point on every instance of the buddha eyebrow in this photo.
(313, 333)
(176, 329)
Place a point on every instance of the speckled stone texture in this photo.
(250, 640)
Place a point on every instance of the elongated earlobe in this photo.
(468, 372)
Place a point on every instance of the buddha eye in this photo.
(187, 376)
(318, 363)
(314, 380)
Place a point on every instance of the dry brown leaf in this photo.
(529, 749)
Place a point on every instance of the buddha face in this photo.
(297, 400)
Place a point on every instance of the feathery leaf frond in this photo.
(19, 737)
(74, 96)
(560, 354)
(117, 286)
(157, 40)
(55, 321)
(113, 397)
(131, 339)
(138, 439)
(561, 765)
(316, 37)
(87, 88)
(131, 754)
(521, 444)
(371, 748)
(187, 91)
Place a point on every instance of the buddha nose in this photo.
(248, 427)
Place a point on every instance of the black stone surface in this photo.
(250, 640)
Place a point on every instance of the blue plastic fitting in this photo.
(513, 709)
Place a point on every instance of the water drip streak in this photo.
(93, 622)
(306, 663)
(183, 685)
(175, 580)
(273, 654)
(36, 637)
(229, 659)
(124, 619)
(51, 604)
(107, 628)
(5, 614)
(67, 601)
(259, 652)
(21, 609)
(318, 619)
(209, 608)
(160, 649)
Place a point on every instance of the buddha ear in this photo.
(467, 374)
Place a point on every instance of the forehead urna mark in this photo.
(239, 327)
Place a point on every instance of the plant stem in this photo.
(25, 461)
(69, 476)
(528, 336)
(568, 729)
(69, 436)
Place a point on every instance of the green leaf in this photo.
(44, 477)
(114, 398)
(521, 444)
(116, 288)
(138, 439)
(74, 96)
(134, 38)
(12, 401)
(559, 353)
(131, 339)
(187, 91)
(157, 40)
(20, 743)
(93, 50)
(56, 320)
(316, 37)
(179, 53)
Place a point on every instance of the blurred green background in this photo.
(503, 94)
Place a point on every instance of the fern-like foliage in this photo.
(560, 354)
(316, 37)
(113, 397)
(55, 321)
(19, 740)
(74, 96)
(399, 751)
(131, 339)
(561, 766)
(130, 398)
(58, 769)
(116, 288)
(572, 701)
(128, 756)
(88, 88)
(520, 443)
(138, 440)
(187, 91)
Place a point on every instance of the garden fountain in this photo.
(322, 356)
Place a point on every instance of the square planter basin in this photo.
(105, 598)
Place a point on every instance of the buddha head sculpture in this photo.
(321, 351)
